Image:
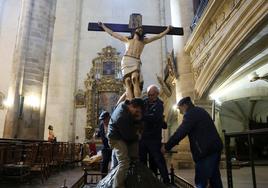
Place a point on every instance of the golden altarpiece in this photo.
(104, 86)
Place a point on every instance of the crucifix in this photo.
(134, 22)
(131, 63)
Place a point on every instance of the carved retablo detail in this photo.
(103, 86)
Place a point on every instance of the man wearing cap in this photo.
(123, 137)
(106, 150)
(205, 143)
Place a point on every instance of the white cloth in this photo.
(129, 65)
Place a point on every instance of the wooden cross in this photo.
(134, 22)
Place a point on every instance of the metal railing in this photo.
(90, 178)
(249, 134)
(199, 12)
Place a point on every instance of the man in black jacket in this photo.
(205, 143)
(123, 137)
(106, 150)
(150, 142)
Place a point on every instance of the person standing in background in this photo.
(106, 150)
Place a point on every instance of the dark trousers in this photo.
(207, 171)
(153, 148)
(106, 158)
(152, 165)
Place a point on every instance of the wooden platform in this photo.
(90, 180)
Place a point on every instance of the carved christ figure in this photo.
(131, 63)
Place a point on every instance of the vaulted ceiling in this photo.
(241, 90)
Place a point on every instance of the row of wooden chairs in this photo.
(21, 159)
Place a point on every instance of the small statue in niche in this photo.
(51, 135)
(171, 64)
(80, 99)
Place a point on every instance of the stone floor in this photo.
(241, 178)
(55, 180)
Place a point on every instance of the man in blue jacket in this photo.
(205, 143)
(150, 142)
(123, 137)
(106, 150)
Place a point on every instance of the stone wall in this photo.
(9, 14)
(30, 65)
(52, 61)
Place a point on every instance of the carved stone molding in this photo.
(165, 88)
(103, 86)
(171, 65)
(170, 76)
(198, 68)
(222, 14)
(223, 27)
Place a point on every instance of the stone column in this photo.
(78, 12)
(28, 90)
(181, 18)
(162, 18)
(185, 81)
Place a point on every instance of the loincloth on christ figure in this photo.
(129, 65)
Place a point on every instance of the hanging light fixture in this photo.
(254, 77)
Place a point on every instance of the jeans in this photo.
(124, 152)
(106, 158)
(114, 162)
(207, 171)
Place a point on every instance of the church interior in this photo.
(57, 76)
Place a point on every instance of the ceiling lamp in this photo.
(254, 77)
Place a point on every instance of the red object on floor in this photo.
(92, 149)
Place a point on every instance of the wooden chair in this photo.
(55, 163)
(78, 152)
(60, 154)
(39, 164)
(14, 167)
(67, 153)
(2, 156)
